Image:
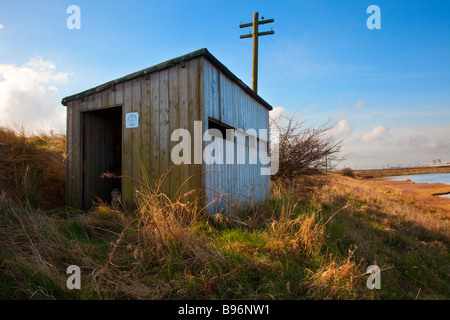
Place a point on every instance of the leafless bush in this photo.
(348, 172)
(302, 151)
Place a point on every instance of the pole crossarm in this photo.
(245, 25)
(250, 35)
(255, 35)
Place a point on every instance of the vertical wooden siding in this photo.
(228, 103)
(166, 100)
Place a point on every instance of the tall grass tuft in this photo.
(32, 169)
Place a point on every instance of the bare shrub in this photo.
(302, 151)
(347, 172)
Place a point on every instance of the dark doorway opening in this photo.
(102, 154)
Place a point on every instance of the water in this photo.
(425, 178)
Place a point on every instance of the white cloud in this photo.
(378, 133)
(276, 119)
(343, 128)
(276, 112)
(1, 26)
(29, 97)
(358, 104)
(423, 143)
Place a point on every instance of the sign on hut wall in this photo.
(132, 120)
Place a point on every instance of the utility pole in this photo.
(255, 34)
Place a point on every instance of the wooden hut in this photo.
(124, 127)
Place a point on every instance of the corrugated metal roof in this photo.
(202, 52)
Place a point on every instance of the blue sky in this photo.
(388, 90)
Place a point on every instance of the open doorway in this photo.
(102, 154)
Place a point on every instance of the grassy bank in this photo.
(285, 248)
(32, 168)
(378, 173)
(313, 243)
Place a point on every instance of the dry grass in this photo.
(373, 199)
(313, 239)
(377, 173)
(171, 249)
(383, 227)
(286, 248)
(423, 196)
(32, 169)
(33, 246)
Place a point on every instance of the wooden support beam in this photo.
(266, 33)
(259, 22)
(255, 52)
(250, 35)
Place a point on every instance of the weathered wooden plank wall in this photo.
(166, 100)
(169, 99)
(227, 102)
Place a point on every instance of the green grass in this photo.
(302, 243)
(289, 247)
(412, 248)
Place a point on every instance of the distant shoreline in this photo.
(423, 194)
(378, 173)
